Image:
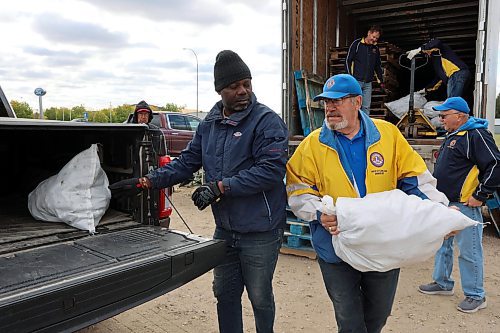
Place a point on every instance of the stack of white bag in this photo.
(400, 107)
(391, 229)
(78, 195)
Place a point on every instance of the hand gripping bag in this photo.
(78, 195)
(391, 229)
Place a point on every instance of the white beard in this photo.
(338, 126)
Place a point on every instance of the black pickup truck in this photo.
(57, 278)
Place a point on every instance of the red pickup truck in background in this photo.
(178, 129)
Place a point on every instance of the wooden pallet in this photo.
(301, 252)
(307, 87)
(297, 237)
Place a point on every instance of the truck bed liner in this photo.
(71, 282)
(19, 231)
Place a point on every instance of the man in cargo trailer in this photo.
(363, 62)
(468, 172)
(448, 67)
(242, 146)
(350, 156)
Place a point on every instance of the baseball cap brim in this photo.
(330, 95)
(441, 107)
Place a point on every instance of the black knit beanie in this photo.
(229, 68)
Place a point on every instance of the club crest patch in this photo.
(330, 83)
(377, 159)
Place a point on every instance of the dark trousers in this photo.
(362, 300)
(250, 263)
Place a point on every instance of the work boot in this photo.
(471, 305)
(434, 289)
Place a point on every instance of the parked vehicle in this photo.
(57, 278)
(178, 129)
(470, 28)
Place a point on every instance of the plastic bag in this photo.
(400, 106)
(391, 229)
(78, 195)
(436, 122)
(429, 112)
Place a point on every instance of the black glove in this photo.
(125, 188)
(206, 194)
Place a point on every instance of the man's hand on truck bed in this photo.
(126, 188)
(206, 194)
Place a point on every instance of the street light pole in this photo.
(196, 56)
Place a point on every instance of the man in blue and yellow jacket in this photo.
(351, 156)
(363, 62)
(448, 67)
(468, 172)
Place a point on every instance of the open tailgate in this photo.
(70, 285)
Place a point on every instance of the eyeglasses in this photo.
(442, 116)
(333, 102)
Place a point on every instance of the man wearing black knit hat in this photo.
(242, 146)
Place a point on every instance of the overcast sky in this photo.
(95, 52)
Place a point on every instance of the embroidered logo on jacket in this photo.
(377, 159)
(452, 144)
(237, 134)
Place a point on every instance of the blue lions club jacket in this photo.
(468, 163)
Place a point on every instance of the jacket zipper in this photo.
(267, 206)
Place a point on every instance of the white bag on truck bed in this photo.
(78, 195)
(391, 229)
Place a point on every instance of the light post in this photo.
(40, 92)
(196, 56)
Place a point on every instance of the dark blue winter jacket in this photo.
(468, 163)
(363, 61)
(248, 152)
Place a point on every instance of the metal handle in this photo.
(415, 57)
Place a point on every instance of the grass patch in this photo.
(497, 139)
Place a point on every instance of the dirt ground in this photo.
(302, 304)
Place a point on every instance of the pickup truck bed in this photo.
(54, 277)
(90, 279)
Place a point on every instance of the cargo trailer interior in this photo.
(311, 28)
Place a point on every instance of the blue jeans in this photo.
(250, 262)
(362, 300)
(457, 83)
(470, 260)
(366, 89)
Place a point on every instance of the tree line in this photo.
(117, 114)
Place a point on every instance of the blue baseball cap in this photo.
(455, 103)
(339, 86)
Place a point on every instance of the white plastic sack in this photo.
(391, 229)
(400, 106)
(429, 112)
(436, 122)
(78, 195)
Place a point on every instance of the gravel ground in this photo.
(302, 304)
